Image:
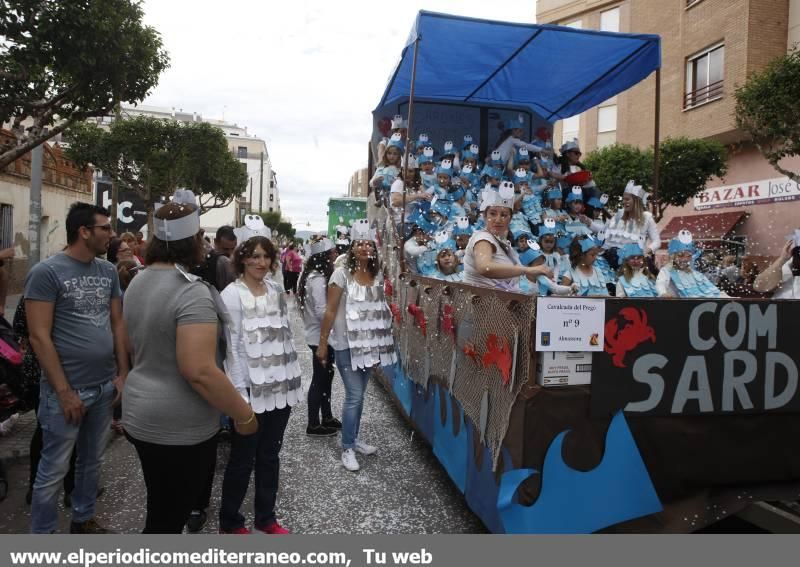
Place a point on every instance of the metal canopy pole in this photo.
(406, 160)
(656, 143)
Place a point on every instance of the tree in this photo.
(286, 230)
(271, 219)
(63, 62)
(686, 166)
(154, 157)
(768, 109)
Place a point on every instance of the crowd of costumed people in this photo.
(526, 219)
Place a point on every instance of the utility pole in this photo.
(261, 184)
(250, 201)
(35, 209)
(114, 183)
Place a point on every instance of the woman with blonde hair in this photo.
(632, 224)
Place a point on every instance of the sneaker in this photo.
(273, 528)
(90, 526)
(237, 531)
(349, 460)
(196, 522)
(320, 431)
(365, 449)
(333, 423)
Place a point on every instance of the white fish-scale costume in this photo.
(369, 325)
(261, 356)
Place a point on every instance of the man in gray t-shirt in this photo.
(74, 313)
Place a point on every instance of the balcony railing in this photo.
(710, 92)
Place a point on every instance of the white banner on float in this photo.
(570, 324)
(752, 193)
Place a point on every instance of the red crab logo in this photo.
(634, 331)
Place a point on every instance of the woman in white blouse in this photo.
(263, 366)
(312, 298)
(632, 224)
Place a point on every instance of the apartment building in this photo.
(358, 186)
(261, 193)
(709, 48)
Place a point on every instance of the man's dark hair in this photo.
(82, 214)
(248, 247)
(186, 252)
(225, 232)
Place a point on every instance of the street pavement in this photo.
(400, 490)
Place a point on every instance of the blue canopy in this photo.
(554, 71)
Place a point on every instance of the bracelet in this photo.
(252, 417)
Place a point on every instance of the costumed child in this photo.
(461, 233)
(577, 223)
(448, 266)
(552, 209)
(679, 278)
(547, 243)
(598, 216)
(389, 166)
(427, 169)
(398, 126)
(444, 174)
(543, 285)
(491, 176)
(523, 240)
(591, 281)
(512, 138)
(635, 280)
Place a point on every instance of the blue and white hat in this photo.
(628, 251)
(470, 152)
(682, 243)
(396, 141)
(496, 159)
(462, 227)
(531, 254)
(443, 241)
(554, 193)
(569, 146)
(513, 124)
(596, 203)
(522, 176)
(517, 233)
(449, 149)
(423, 139)
(548, 227)
(427, 156)
(564, 242)
(456, 194)
(441, 207)
(445, 168)
(490, 171)
(522, 155)
(576, 194)
(399, 122)
(467, 141)
(589, 243)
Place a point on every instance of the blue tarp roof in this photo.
(555, 71)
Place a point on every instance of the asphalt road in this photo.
(401, 489)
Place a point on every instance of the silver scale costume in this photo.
(369, 325)
(265, 354)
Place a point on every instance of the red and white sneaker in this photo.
(273, 528)
(238, 531)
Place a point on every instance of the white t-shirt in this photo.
(500, 256)
(315, 303)
(790, 285)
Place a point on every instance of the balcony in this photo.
(708, 93)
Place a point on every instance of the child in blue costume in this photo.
(461, 233)
(635, 280)
(491, 176)
(679, 278)
(448, 265)
(590, 280)
(427, 168)
(547, 243)
(543, 285)
(531, 203)
(553, 209)
(522, 240)
(444, 174)
(577, 225)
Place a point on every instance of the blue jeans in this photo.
(355, 386)
(260, 451)
(59, 439)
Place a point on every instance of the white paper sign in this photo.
(570, 324)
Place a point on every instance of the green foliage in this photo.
(686, 166)
(285, 229)
(768, 109)
(280, 225)
(271, 219)
(613, 166)
(154, 157)
(63, 62)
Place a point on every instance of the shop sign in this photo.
(745, 194)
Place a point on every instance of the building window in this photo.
(270, 209)
(272, 197)
(570, 128)
(577, 24)
(609, 20)
(606, 125)
(6, 226)
(241, 152)
(704, 76)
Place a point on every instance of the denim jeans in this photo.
(260, 450)
(355, 386)
(88, 438)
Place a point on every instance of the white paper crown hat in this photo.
(362, 231)
(184, 227)
(636, 190)
(504, 197)
(320, 246)
(253, 226)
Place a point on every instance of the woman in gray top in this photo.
(175, 391)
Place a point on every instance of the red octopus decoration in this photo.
(498, 353)
(419, 315)
(448, 325)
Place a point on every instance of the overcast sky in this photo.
(302, 74)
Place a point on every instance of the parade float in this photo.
(671, 415)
